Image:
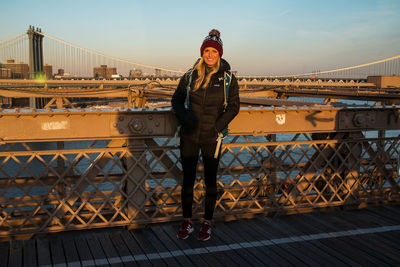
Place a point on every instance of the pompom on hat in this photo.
(212, 40)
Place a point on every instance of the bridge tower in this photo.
(35, 52)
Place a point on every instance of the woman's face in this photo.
(210, 56)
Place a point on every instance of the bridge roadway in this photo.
(138, 90)
(363, 237)
(173, 81)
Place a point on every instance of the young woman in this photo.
(203, 116)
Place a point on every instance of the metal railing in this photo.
(66, 185)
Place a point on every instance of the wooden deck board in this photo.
(381, 217)
(391, 239)
(265, 255)
(122, 249)
(303, 248)
(309, 229)
(57, 252)
(170, 231)
(16, 253)
(320, 255)
(109, 250)
(270, 254)
(385, 213)
(240, 256)
(368, 243)
(253, 256)
(136, 250)
(43, 252)
(71, 253)
(213, 258)
(284, 250)
(147, 247)
(159, 247)
(4, 252)
(349, 243)
(223, 257)
(393, 209)
(170, 245)
(367, 253)
(195, 244)
(84, 253)
(362, 237)
(99, 256)
(313, 227)
(381, 250)
(30, 256)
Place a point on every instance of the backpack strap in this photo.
(227, 83)
(187, 104)
(224, 132)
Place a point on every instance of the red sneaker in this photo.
(205, 231)
(185, 230)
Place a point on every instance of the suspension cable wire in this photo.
(354, 67)
(109, 57)
(14, 45)
(13, 49)
(14, 41)
(14, 37)
(327, 71)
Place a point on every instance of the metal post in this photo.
(136, 179)
(40, 51)
(31, 53)
(35, 57)
(60, 170)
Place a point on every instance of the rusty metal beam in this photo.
(83, 124)
(174, 82)
(98, 93)
(264, 101)
(344, 93)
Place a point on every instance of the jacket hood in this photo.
(224, 65)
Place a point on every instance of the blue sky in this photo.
(260, 37)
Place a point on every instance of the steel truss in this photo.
(98, 170)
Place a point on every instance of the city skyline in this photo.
(260, 37)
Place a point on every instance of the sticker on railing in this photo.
(55, 125)
(280, 118)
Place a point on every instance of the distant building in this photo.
(59, 74)
(18, 70)
(135, 73)
(104, 72)
(48, 71)
(5, 73)
(157, 72)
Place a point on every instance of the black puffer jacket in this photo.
(206, 116)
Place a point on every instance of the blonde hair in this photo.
(203, 76)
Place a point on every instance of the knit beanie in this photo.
(212, 40)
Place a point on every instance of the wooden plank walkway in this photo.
(365, 237)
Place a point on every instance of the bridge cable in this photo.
(109, 57)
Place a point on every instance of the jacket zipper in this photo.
(202, 113)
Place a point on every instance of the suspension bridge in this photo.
(37, 49)
(65, 166)
(36, 65)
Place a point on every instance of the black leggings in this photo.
(189, 156)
